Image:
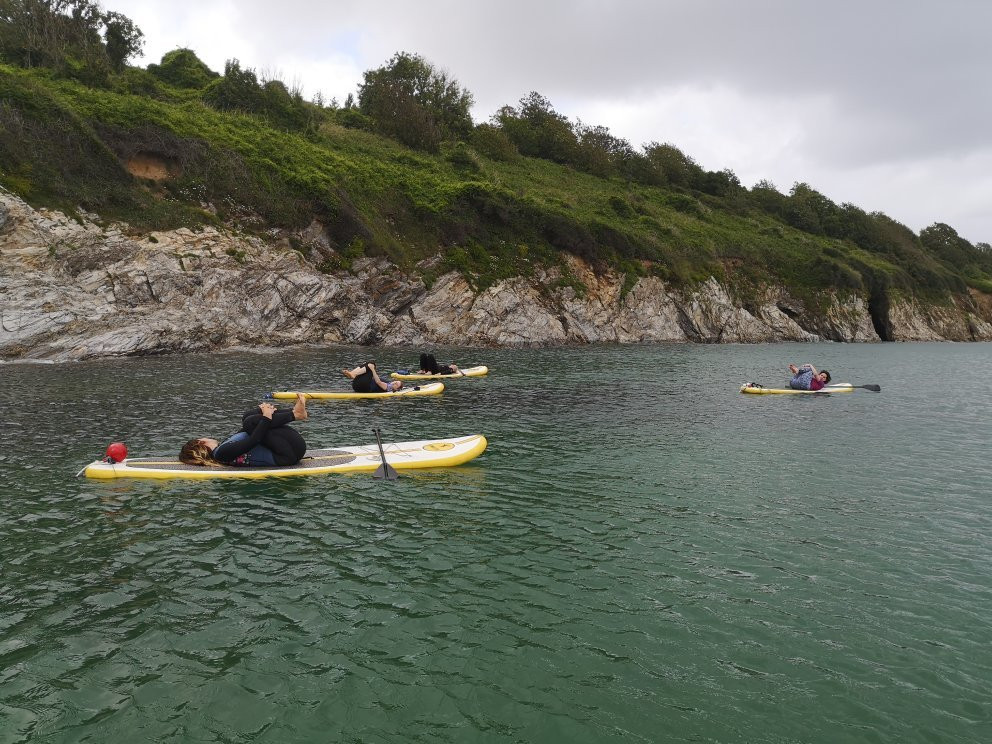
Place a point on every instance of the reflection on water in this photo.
(641, 554)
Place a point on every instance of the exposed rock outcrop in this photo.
(71, 290)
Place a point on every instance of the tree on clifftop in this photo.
(678, 168)
(240, 90)
(74, 37)
(411, 101)
(538, 130)
(944, 241)
(123, 39)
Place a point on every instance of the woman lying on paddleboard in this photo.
(265, 439)
(365, 379)
(807, 378)
(429, 366)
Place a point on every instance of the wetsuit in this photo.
(365, 383)
(263, 441)
(429, 365)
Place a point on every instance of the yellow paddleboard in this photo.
(480, 371)
(840, 387)
(429, 453)
(414, 391)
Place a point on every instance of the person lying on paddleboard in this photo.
(429, 366)
(265, 440)
(807, 378)
(365, 379)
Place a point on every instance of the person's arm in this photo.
(375, 376)
(281, 417)
(229, 451)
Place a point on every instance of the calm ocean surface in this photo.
(642, 555)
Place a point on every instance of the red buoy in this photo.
(116, 452)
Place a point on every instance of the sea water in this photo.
(642, 554)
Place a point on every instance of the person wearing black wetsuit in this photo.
(429, 366)
(265, 440)
(365, 379)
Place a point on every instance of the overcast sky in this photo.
(882, 103)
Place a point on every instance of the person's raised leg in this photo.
(351, 374)
(365, 382)
(286, 444)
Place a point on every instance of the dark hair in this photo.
(826, 373)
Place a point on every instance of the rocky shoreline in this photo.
(73, 291)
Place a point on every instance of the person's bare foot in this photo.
(300, 408)
(348, 373)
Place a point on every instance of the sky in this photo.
(884, 104)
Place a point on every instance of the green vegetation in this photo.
(75, 38)
(409, 100)
(405, 173)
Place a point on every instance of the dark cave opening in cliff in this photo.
(788, 312)
(878, 308)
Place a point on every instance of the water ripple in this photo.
(641, 553)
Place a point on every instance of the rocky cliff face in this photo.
(75, 291)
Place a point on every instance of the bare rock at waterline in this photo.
(73, 290)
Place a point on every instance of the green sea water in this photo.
(641, 555)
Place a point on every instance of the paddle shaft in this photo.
(385, 470)
(873, 388)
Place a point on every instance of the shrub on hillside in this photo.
(599, 152)
(352, 118)
(285, 108)
(685, 204)
(538, 130)
(766, 197)
(396, 113)
(236, 90)
(492, 142)
(138, 82)
(621, 206)
(464, 158)
(641, 169)
(183, 69)
(678, 168)
(240, 90)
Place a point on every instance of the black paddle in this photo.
(385, 470)
(826, 388)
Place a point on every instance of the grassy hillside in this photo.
(64, 144)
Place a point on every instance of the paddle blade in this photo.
(385, 471)
(873, 388)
